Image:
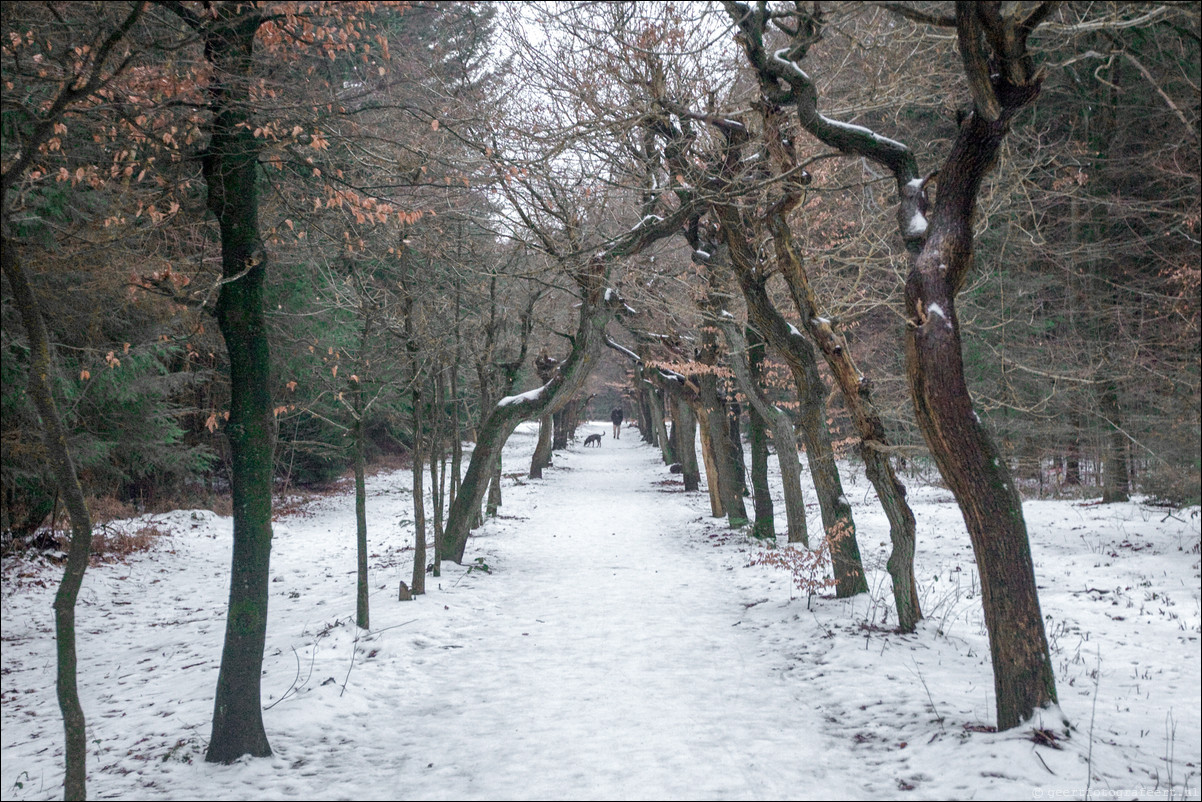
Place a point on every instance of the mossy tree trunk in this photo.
(30, 132)
(54, 434)
(656, 404)
(1116, 477)
(418, 584)
(231, 174)
(757, 434)
(559, 439)
(362, 615)
(715, 423)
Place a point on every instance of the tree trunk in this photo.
(743, 361)
(717, 509)
(657, 422)
(418, 585)
(362, 619)
(734, 433)
(1116, 475)
(715, 422)
(438, 468)
(966, 455)
(684, 426)
(54, 434)
(493, 480)
(857, 395)
(837, 521)
(559, 420)
(542, 451)
(757, 432)
(1072, 457)
(974, 470)
(595, 313)
(647, 428)
(230, 169)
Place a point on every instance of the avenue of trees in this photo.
(250, 247)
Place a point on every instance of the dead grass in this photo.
(104, 509)
(110, 544)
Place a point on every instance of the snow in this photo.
(623, 349)
(621, 647)
(779, 57)
(860, 130)
(794, 331)
(528, 397)
(917, 225)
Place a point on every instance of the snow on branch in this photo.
(528, 397)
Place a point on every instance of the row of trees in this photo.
(402, 216)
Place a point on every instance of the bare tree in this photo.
(942, 252)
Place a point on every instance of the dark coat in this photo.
(616, 416)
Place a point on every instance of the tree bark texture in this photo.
(656, 405)
(734, 435)
(54, 434)
(757, 433)
(417, 585)
(966, 455)
(560, 420)
(542, 450)
(1116, 477)
(684, 427)
(720, 461)
(717, 509)
(230, 170)
(362, 616)
(715, 421)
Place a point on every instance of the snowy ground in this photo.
(620, 648)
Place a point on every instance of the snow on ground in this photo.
(619, 648)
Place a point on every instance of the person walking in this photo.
(616, 416)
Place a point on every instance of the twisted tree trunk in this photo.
(966, 455)
(54, 434)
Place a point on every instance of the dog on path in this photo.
(593, 439)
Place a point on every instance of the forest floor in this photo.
(607, 639)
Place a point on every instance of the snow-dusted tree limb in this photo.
(784, 82)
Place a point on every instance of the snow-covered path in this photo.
(625, 673)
